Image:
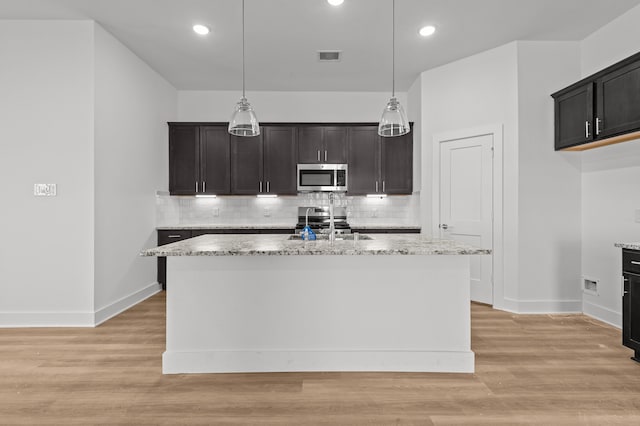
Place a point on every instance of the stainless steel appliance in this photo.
(322, 177)
(319, 219)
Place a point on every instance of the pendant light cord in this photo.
(243, 94)
(393, 49)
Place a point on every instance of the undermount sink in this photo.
(339, 237)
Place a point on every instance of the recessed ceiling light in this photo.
(427, 31)
(201, 29)
(335, 2)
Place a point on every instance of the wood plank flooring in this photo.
(530, 369)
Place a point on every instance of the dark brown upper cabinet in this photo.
(198, 160)
(322, 144)
(265, 164)
(601, 109)
(379, 165)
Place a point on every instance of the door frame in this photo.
(497, 262)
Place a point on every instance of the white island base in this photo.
(318, 313)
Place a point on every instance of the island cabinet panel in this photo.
(280, 152)
(198, 160)
(574, 117)
(246, 165)
(184, 160)
(322, 144)
(618, 101)
(364, 160)
(215, 165)
(379, 165)
(396, 162)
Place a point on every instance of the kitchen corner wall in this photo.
(610, 182)
(70, 97)
(283, 211)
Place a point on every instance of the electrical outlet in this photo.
(216, 212)
(266, 212)
(637, 215)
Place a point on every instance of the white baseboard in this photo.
(46, 319)
(603, 314)
(541, 306)
(119, 306)
(299, 361)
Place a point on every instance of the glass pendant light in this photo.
(394, 120)
(244, 121)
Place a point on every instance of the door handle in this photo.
(204, 186)
(268, 190)
(444, 226)
(598, 122)
(325, 155)
(586, 129)
(376, 186)
(318, 156)
(633, 262)
(260, 186)
(196, 186)
(383, 187)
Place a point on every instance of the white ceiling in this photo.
(282, 36)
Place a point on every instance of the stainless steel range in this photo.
(319, 219)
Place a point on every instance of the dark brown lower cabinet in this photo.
(631, 301)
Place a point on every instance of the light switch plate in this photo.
(44, 189)
(216, 212)
(637, 215)
(267, 212)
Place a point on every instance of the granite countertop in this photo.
(280, 245)
(273, 226)
(630, 246)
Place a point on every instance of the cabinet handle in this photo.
(260, 186)
(586, 129)
(633, 262)
(325, 155)
(598, 122)
(318, 156)
(174, 236)
(268, 190)
(196, 186)
(383, 189)
(376, 186)
(204, 186)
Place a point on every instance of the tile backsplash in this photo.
(250, 210)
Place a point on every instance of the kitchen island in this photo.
(263, 303)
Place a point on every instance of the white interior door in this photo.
(466, 203)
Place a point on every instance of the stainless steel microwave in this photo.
(322, 177)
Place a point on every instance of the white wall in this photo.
(287, 106)
(132, 106)
(46, 136)
(414, 107)
(548, 184)
(473, 92)
(610, 179)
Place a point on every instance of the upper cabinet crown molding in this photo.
(601, 109)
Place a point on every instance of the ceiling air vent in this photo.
(329, 55)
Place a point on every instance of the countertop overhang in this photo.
(630, 246)
(280, 245)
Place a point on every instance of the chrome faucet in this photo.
(332, 221)
(306, 218)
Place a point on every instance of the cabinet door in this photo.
(246, 165)
(280, 159)
(215, 161)
(335, 145)
(364, 161)
(618, 95)
(184, 160)
(396, 159)
(631, 311)
(574, 117)
(310, 147)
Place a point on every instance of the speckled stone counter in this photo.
(225, 226)
(281, 245)
(629, 246)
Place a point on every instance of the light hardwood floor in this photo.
(546, 369)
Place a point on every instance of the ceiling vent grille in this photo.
(329, 55)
